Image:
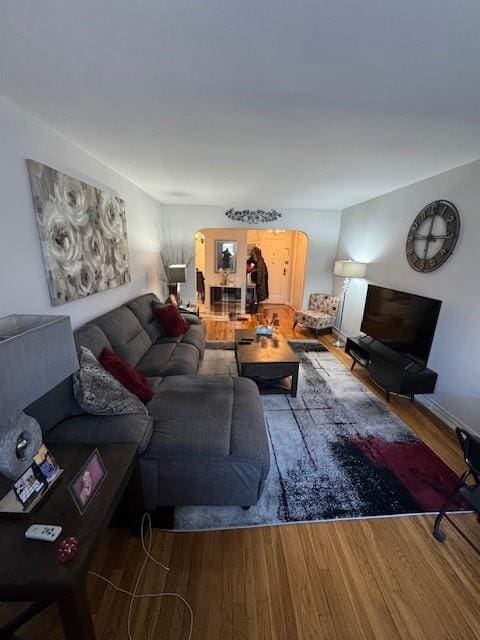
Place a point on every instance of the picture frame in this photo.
(46, 464)
(225, 256)
(33, 486)
(29, 487)
(87, 482)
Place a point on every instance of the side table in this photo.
(189, 308)
(30, 569)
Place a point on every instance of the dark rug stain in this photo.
(300, 346)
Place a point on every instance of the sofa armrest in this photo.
(191, 318)
(89, 429)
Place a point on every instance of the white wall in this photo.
(321, 226)
(23, 283)
(376, 232)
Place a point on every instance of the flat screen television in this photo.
(402, 321)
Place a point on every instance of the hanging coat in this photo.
(261, 279)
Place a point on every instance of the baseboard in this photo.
(444, 415)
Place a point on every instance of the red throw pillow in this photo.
(133, 380)
(171, 319)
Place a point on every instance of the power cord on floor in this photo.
(133, 594)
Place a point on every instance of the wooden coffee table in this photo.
(270, 362)
(30, 570)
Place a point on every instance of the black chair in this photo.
(470, 492)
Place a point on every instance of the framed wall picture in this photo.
(83, 234)
(88, 481)
(225, 256)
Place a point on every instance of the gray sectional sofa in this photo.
(204, 440)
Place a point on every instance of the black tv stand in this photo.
(392, 371)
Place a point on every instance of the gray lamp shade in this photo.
(177, 273)
(36, 354)
(350, 269)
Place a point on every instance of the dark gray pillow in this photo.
(99, 393)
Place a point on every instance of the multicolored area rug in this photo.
(337, 451)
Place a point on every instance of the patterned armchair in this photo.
(320, 313)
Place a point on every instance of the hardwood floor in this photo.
(371, 579)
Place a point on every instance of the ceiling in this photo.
(316, 103)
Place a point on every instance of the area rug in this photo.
(337, 452)
(300, 346)
(219, 344)
(224, 317)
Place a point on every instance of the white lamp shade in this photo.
(350, 269)
(177, 273)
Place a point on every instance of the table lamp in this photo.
(36, 354)
(347, 269)
(177, 274)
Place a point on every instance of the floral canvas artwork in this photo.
(83, 233)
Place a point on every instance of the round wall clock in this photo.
(433, 236)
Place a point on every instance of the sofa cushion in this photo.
(209, 443)
(188, 316)
(249, 436)
(169, 359)
(142, 308)
(196, 337)
(127, 336)
(155, 361)
(156, 381)
(133, 380)
(192, 417)
(191, 318)
(88, 429)
(171, 319)
(185, 360)
(169, 340)
(55, 406)
(92, 337)
(98, 392)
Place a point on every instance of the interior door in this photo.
(276, 253)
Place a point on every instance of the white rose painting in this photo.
(83, 233)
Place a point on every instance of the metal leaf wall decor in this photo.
(253, 216)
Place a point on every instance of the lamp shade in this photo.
(36, 354)
(350, 269)
(177, 273)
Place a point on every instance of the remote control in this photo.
(45, 532)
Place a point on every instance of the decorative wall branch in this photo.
(172, 250)
(253, 216)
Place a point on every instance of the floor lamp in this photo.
(346, 269)
(177, 274)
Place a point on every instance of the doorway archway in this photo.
(285, 253)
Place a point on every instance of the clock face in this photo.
(433, 236)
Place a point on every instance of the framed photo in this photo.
(225, 256)
(29, 487)
(88, 481)
(33, 485)
(46, 464)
